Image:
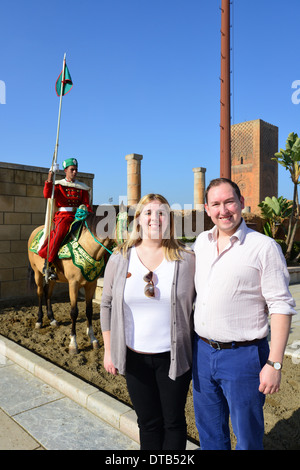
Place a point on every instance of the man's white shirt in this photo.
(234, 287)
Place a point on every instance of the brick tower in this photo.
(253, 144)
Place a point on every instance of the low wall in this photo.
(22, 209)
(294, 273)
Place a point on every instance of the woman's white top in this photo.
(148, 319)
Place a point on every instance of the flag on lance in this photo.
(64, 82)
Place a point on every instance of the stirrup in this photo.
(52, 276)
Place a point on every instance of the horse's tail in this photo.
(31, 285)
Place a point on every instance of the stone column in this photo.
(133, 178)
(199, 187)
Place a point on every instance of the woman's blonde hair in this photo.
(170, 244)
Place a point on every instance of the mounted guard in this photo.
(69, 194)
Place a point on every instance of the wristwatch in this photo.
(276, 365)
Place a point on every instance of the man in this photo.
(69, 194)
(238, 273)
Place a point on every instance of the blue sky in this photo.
(146, 80)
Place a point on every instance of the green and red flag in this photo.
(64, 80)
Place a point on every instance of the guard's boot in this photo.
(45, 267)
(52, 276)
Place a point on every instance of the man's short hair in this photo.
(218, 181)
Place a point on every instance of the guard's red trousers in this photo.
(62, 222)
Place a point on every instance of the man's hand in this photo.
(269, 380)
(269, 377)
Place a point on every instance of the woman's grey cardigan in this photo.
(182, 299)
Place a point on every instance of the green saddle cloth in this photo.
(70, 248)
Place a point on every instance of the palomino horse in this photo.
(68, 272)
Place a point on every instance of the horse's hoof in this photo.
(73, 350)
(53, 323)
(95, 344)
(38, 325)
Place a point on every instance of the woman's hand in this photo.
(108, 364)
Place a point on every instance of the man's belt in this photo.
(231, 345)
(67, 209)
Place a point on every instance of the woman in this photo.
(146, 320)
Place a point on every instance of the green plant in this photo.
(275, 211)
(290, 160)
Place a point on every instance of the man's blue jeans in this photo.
(225, 382)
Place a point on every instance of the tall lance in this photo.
(49, 210)
(225, 150)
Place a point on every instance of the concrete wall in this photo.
(22, 209)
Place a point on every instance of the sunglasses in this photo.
(149, 288)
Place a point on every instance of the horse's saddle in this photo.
(70, 248)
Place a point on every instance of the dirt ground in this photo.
(282, 410)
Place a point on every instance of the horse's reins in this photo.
(96, 238)
(81, 214)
